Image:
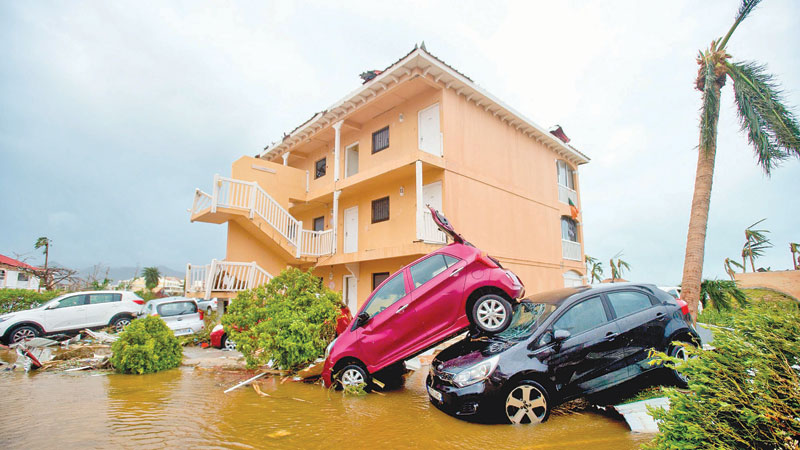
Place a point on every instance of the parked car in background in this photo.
(675, 292)
(180, 314)
(70, 313)
(422, 304)
(207, 305)
(560, 345)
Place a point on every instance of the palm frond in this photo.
(771, 128)
(720, 293)
(745, 9)
(709, 113)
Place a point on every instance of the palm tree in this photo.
(755, 243)
(794, 248)
(618, 268)
(44, 242)
(730, 270)
(720, 292)
(151, 276)
(771, 129)
(594, 267)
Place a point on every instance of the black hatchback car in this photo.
(560, 345)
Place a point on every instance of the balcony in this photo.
(571, 250)
(248, 200)
(224, 276)
(430, 232)
(566, 194)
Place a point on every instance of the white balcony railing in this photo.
(566, 194)
(430, 232)
(224, 276)
(571, 250)
(249, 196)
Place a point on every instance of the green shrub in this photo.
(20, 299)
(147, 345)
(744, 394)
(289, 320)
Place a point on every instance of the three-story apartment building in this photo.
(345, 192)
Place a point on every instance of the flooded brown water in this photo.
(186, 408)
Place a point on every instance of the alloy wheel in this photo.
(230, 345)
(680, 353)
(120, 324)
(491, 314)
(352, 377)
(23, 334)
(526, 404)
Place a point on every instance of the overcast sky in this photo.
(112, 113)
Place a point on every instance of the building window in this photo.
(566, 176)
(22, 277)
(319, 223)
(569, 229)
(380, 210)
(319, 168)
(2, 275)
(377, 279)
(380, 139)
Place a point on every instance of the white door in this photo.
(432, 195)
(351, 230)
(351, 293)
(68, 314)
(351, 160)
(430, 135)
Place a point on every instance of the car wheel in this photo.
(679, 352)
(528, 402)
(491, 313)
(353, 375)
(228, 344)
(120, 323)
(23, 333)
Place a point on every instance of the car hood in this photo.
(444, 225)
(468, 352)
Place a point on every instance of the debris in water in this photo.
(279, 434)
(245, 382)
(101, 336)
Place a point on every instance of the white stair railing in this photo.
(224, 276)
(249, 196)
(430, 232)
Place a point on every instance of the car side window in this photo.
(582, 317)
(628, 302)
(450, 260)
(75, 300)
(425, 270)
(176, 309)
(95, 299)
(392, 291)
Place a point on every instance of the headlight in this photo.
(329, 347)
(478, 372)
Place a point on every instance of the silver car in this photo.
(181, 314)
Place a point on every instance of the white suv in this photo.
(72, 312)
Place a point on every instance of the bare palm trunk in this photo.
(46, 257)
(698, 221)
(752, 264)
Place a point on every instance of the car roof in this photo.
(559, 296)
(159, 301)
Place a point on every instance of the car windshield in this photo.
(525, 318)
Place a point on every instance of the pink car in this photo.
(422, 304)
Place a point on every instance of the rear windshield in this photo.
(176, 308)
(526, 317)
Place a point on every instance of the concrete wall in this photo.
(786, 281)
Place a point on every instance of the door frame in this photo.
(419, 129)
(353, 311)
(344, 229)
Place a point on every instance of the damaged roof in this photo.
(420, 62)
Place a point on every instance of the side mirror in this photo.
(53, 306)
(561, 335)
(363, 318)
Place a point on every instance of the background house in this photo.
(16, 274)
(345, 192)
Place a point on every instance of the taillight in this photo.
(201, 314)
(138, 302)
(684, 306)
(487, 260)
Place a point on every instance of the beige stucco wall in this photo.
(787, 281)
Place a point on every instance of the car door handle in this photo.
(660, 315)
(455, 272)
(610, 336)
(401, 309)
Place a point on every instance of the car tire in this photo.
(678, 351)
(491, 313)
(119, 323)
(227, 344)
(353, 374)
(526, 402)
(23, 332)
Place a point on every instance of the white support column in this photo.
(285, 157)
(253, 191)
(187, 280)
(308, 180)
(335, 219)
(420, 206)
(299, 238)
(336, 149)
(210, 278)
(215, 193)
(252, 275)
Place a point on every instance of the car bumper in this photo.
(474, 399)
(327, 374)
